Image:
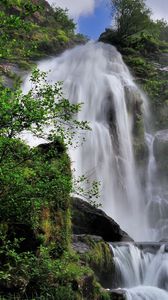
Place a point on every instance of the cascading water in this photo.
(142, 274)
(95, 75)
(157, 204)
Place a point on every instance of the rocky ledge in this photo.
(87, 219)
(117, 294)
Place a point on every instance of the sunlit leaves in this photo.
(43, 110)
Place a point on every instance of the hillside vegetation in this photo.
(144, 45)
(36, 256)
(32, 29)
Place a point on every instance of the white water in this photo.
(146, 293)
(157, 203)
(96, 75)
(142, 274)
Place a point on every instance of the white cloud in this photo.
(85, 7)
(76, 7)
(159, 8)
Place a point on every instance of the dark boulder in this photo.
(52, 150)
(117, 294)
(87, 219)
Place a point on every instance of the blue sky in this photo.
(95, 23)
(93, 16)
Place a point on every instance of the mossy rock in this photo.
(97, 254)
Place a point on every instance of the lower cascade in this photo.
(96, 76)
(142, 274)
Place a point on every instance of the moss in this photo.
(140, 66)
(62, 37)
(46, 224)
(104, 295)
(98, 258)
(25, 65)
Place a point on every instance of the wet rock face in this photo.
(80, 245)
(161, 151)
(87, 219)
(117, 294)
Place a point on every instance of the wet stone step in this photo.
(151, 247)
(117, 294)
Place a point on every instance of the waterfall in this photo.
(95, 75)
(146, 293)
(142, 274)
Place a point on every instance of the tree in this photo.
(63, 20)
(44, 105)
(46, 113)
(131, 16)
(35, 179)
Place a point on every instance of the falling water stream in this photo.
(95, 75)
(143, 274)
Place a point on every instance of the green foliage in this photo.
(30, 181)
(61, 17)
(105, 296)
(143, 42)
(153, 79)
(37, 277)
(44, 105)
(163, 30)
(100, 257)
(131, 16)
(86, 188)
(35, 183)
(35, 186)
(29, 30)
(27, 6)
(16, 268)
(134, 27)
(12, 26)
(156, 88)
(140, 65)
(62, 36)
